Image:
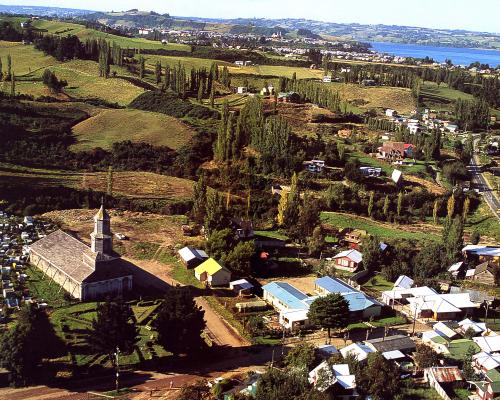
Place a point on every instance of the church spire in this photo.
(102, 238)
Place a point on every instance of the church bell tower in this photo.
(102, 238)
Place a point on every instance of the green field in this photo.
(110, 126)
(83, 33)
(383, 231)
(187, 62)
(485, 223)
(82, 76)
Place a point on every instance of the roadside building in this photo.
(484, 273)
(353, 238)
(335, 378)
(482, 254)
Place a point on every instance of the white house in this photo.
(242, 90)
(358, 350)
(324, 376)
(327, 79)
(489, 344)
(390, 113)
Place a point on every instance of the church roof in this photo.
(67, 254)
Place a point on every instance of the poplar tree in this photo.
(200, 94)
(167, 76)
(400, 203)
(370, 204)
(386, 206)
(199, 199)
(9, 68)
(212, 96)
(282, 206)
(109, 188)
(435, 211)
(13, 85)
(142, 67)
(466, 209)
(158, 72)
(292, 211)
(451, 206)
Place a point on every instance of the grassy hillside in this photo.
(376, 97)
(128, 184)
(110, 126)
(382, 230)
(82, 76)
(66, 28)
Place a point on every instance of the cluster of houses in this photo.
(16, 235)
(424, 122)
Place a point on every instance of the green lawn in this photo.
(179, 272)
(410, 390)
(389, 321)
(378, 283)
(42, 288)
(383, 231)
(458, 348)
(485, 223)
(272, 235)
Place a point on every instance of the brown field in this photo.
(138, 227)
(376, 97)
(146, 185)
(141, 185)
(111, 126)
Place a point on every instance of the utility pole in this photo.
(117, 361)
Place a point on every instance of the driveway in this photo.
(217, 329)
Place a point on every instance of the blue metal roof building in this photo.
(333, 285)
(286, 295)
(358, 301)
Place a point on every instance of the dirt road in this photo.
(219, 331)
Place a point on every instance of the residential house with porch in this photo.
(348, 260)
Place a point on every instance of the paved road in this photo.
(480, 183)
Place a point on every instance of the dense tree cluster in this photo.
(53, 83)
(313, 92)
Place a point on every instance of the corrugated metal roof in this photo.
(446, 374)
(353, 255)
(333, 285)
(210, 267)
(482, 250)
(287, 294)
(404, 282)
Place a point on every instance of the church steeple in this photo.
(102, 238)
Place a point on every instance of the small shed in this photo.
(241, 287)
(192, 257)
(212, 273)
